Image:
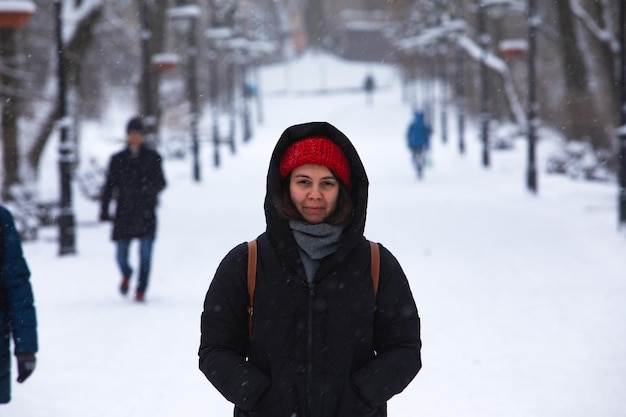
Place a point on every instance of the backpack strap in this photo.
(251, 278)
(375, 254)
(375, 269)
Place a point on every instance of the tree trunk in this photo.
(76, 47)
(9, 85)
(606, 60)
(580, 121)
(315, 23)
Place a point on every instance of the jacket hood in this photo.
(277, 226)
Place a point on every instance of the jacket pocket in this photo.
(270, 405)
(361, 408)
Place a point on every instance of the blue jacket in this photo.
(418, 134)
(17, 311)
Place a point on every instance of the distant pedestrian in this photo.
(134, 179)
(334, 330)
(369, 85)
(17, 309)
(418, 141)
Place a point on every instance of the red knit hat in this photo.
(318, 151)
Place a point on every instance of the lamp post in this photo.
(218, 36)
(246, 94)
(186, 16)
(483, 41)
(622, 129)
(259, 48)
(66, 149)
(16, 13)
(192, 79)
(460, 82)
(442, 56)
(533, 22)
(148, 102)
(460, 87)
(241, 48)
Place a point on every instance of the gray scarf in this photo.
(315, 241)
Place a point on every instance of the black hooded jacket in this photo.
(318, 350)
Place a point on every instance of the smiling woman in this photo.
(327, 199)
(314, 191)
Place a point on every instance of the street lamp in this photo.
(483, 41)
(258, 49)
(622, 129)
(442, 57)
(533, 22)
(148, 102)
(241, 48)
(460, 87)
(66, 149)
(217, 37)
(15, 13)
(185, 16)
(164, 61)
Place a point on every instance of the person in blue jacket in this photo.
(17, 310)
(418, 140)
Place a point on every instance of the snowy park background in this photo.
(522, 297)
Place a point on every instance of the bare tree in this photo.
(599, 45)
(10, 85)
(77, 44)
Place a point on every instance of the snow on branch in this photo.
(72, 15)
(474, 50)
(455, 30)
(498, 65)
(432, 35)
(603, 34)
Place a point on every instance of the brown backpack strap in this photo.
(251, 278)
(375, 268)
(375, 254)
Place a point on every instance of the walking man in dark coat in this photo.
(134, 179)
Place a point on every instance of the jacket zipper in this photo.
(309, 348)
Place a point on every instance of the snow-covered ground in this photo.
(522, 297)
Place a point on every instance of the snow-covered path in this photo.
(522, 297)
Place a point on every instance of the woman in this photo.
(321, 343)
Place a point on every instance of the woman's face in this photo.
(314, 191)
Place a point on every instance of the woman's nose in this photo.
(315, 192)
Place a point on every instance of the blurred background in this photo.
(190, 67)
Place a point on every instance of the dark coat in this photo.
(17, 311)
(318, 350)
(135, 183)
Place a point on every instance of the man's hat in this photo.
(134, 125)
